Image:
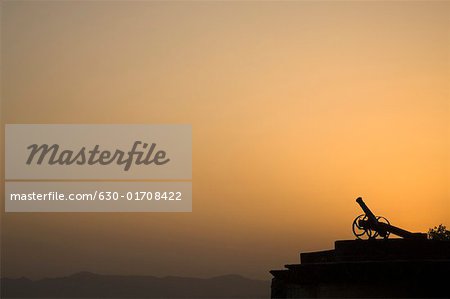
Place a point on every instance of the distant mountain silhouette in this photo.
(91, 285)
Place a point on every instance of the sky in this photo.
(297, 108)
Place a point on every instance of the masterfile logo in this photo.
(96, 156)
(98, 168)
(98, 151)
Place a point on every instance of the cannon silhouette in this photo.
(369, 226)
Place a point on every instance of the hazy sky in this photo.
(297, 108)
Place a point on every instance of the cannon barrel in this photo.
(366, 210)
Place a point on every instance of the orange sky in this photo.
(297, 108)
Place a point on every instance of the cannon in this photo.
(369, 226)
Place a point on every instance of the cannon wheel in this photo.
(361, 232)
(383, 220)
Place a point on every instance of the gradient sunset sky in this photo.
(297, 108)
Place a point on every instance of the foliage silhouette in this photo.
(439, 233)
